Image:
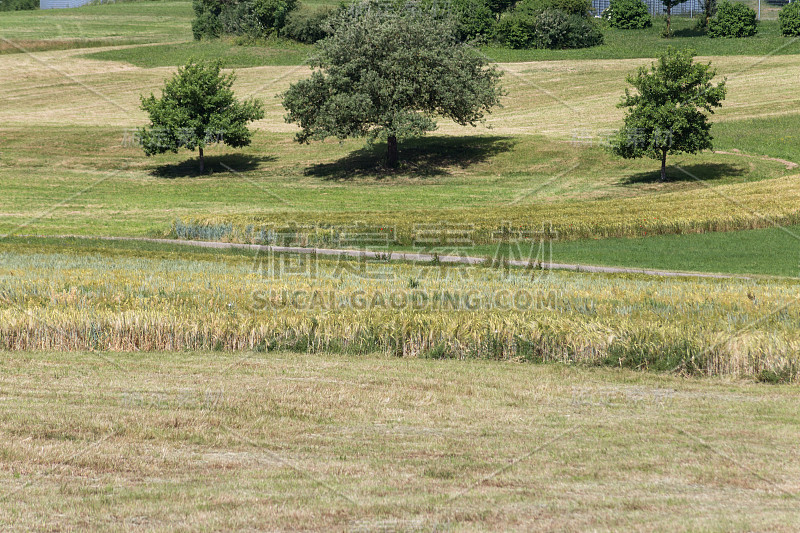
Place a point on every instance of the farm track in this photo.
(400, 256)
(790, 165)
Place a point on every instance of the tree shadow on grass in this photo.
(701, 171)
(213, 164)
(423, 157)
(689, 32)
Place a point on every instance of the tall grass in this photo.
(80, 302)
(722, 208)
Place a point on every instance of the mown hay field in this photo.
(323, 442)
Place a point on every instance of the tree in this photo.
(790, 19)
(733, 20)
(628, 14)
(668, 5)
(669, 113)
(386, 71)
(254, 18)
(709, 10)
(197, 108)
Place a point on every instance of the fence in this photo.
(656, 7)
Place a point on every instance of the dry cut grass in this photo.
(216, 441)
(556, 98)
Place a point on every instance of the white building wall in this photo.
(61, 4)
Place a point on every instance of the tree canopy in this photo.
(669, 113)
(387, 70)
(197, 108)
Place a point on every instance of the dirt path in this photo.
(790, 165)
(400, 256)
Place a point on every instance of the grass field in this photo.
(773, 251)
(209, 440)
(738, 252)
(69, 166)
(95, 25)
(277, 52)
(157, 386)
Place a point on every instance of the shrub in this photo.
(733, 20)
(709, 10)
(271, 14)
(580, 8)
(500, 6)
(475, 19)
(551, 29)
(18, 5)
(254, 18)
(306, 24)
(238, 19)
(206, 19)
(628, 15)
(790, 19)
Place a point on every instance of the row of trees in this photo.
(515, 23)
(387, 73)
(734, 19)
(553, 24)
(728, 19)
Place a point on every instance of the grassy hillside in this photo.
(95, 25)
(169, 21)
(69, 163)
(98, 186)
(276, 52)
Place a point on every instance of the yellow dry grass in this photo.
(557, 98)
(215, 441)
(127, 303)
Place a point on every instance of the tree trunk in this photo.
(669, 22)
(392, 156)
(202, 163)
(664, 165)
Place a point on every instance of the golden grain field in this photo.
(732, 207)
(310, 304)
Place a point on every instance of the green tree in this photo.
(387, 70)
(790, 19)
(197, 108)
(733, 20)
(628, 14)
(669, 115)
(498, 7)
(668, 5)
(709, 10)
(254, 18)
